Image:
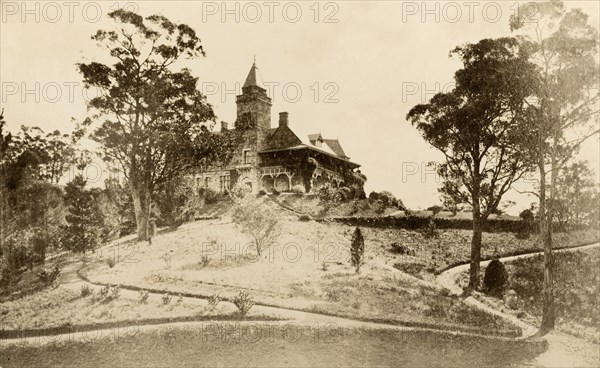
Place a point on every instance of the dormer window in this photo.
(246, 156)
(319, 142)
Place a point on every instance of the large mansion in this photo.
(268, 158)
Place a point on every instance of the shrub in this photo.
(430, 231)
(298, 189)
(402, 249)
(257, 221)
(324, 266)
(387, 199)
(357, 250)
(243, 302)
(495, 278)
(85, 290)
(345, 193)
(261, 193)
(104, 291)
(144, 295)
(435, 209)
(213, 301)
(115, 291)
(48, 276)
(166, 298)
(304, 218)
(239, 191)
(167, 257)
(210, 196)
(275, 192)
(205, 261)
(110, 262)
(328, 197)
(179, 299)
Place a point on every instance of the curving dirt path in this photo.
(563, 350)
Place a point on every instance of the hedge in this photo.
(413, 222)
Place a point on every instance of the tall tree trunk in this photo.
(548, 309)
(477, 231)
(548, 312)
(142, 206)
(475, 249)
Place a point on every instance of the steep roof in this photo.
(283, 138)
(252, 79)
(335, 146)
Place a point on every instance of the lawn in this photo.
(276, 345)
(54, 309)
(307, 270)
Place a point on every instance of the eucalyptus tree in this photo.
(564, 114)
(150, 114)
(476, 127)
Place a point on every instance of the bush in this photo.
(48, 276)
(435, 209)
(402, 249)
(298, 189)
(205, 261)
(167, 257)
(345, 193)
(210, 196)
(257, 221)
(104, 291)
(213, 301)
(115, 292)
(387, 199)
(357, 250)
(430, 231)
(304, 218)
(261, 193)
(243, 302)
(166, 298)
(328, 197)
(85, 290)
(495, 278)
(144, 295)
(110, 262)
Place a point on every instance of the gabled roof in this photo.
(313, 137)
(282, 137)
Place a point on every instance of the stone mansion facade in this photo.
(267, 158)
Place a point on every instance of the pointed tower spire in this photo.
(251, 79)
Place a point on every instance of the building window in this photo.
(246, 156)
(225, 182)
(207, 182)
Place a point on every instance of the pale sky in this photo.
(359, 67)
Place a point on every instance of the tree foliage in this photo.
(84, 220)
(476, 127)
(152, 119)
(257, 221)
(563, 115)
(357, 250)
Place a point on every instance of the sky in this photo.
(348, 69)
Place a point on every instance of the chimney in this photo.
(223, 126)
(283, 119)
